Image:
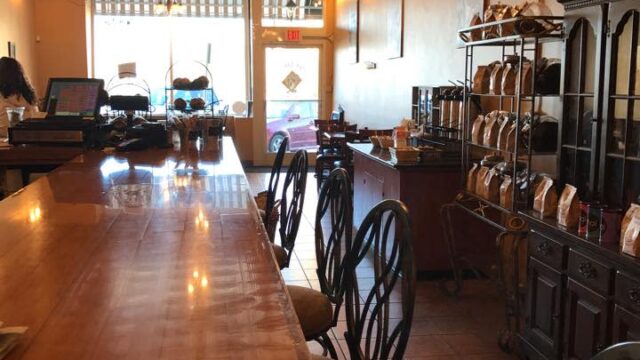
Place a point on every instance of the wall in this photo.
(16, 25)
(382, 97)
(61, 46)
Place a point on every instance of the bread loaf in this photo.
(472, 176)
(495, 82)
(545, 199)
(482, 174)
(508, 82)
(491, 186)
(631, 239)
(569, 207)
(506, 192)
(477, 130)
(504, 132)
(481, 80)
(491, 130)
(633, 211)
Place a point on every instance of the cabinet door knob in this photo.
(544, 248)
(587, 270)
(634, 295)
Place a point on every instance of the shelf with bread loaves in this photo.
(502, 146)
(185, 96)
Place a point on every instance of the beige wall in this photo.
(382, 97)
(50, 37)
(61, 47)
(16, 25)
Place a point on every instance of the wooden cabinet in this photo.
(544, 309)
(424, 188)
(586, 324)
(599, 153)
(581, 89)
(582, 296)
(599, 149)
(626, 325)
(620, 149)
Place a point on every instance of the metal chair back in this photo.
(333, 231)
(384, 241)
(274, 179)
(292, 201)
(622, 351)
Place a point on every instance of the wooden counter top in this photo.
(156, 254)
(384, 157)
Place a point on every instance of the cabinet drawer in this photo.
(590, 272)
(546, 250)
(628, 291)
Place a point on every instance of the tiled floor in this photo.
(465, 327)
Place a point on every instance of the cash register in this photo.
(72, 107)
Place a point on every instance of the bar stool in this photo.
(331, 148)
(266, 200)
(291, 203)
(385, 239)
(318, 310)
(620, 351)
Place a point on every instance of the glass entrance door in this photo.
(292, 78)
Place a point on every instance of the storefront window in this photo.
(153, 40)
(293, 13)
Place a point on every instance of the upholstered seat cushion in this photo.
(281, 255)
(313, 308)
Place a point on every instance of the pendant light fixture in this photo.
(290, 9)
(168, 7)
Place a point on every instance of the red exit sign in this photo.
(294, 35)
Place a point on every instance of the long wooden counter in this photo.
(157, 254)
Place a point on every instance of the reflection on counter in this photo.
(203, 223)
(35, 214)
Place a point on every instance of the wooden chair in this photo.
(266, 200)
(621, 351)
(330, 149)
(384, 238)
(318, 310)
(291, 203)
(322, 126)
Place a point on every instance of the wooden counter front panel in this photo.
(424, 190)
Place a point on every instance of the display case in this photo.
(197, 92)
(582, 104)
(525, 103)
(595, 284)
(620, 150)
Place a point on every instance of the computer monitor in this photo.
(74, 98)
